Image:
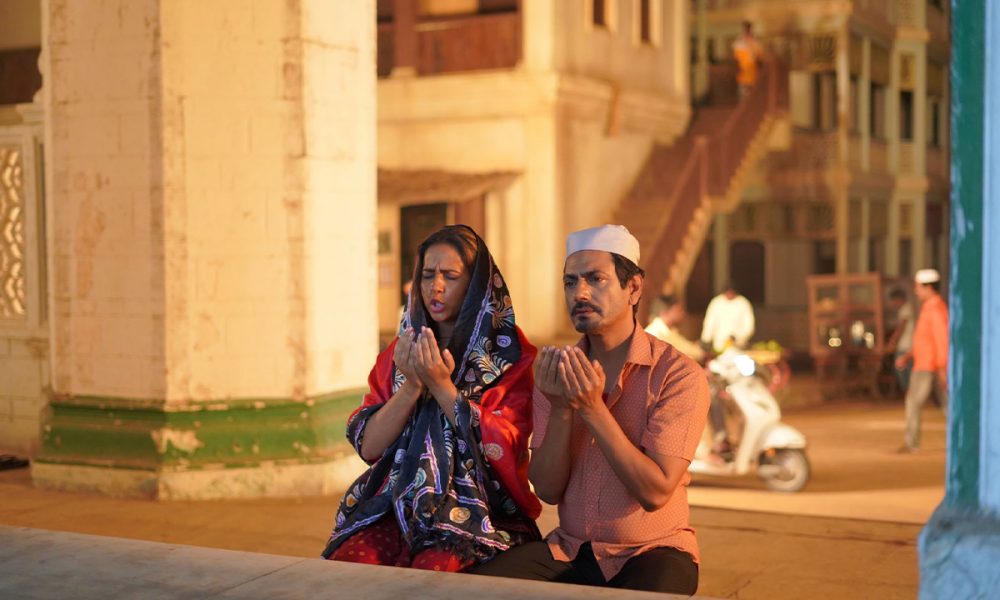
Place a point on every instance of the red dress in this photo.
(505, 423)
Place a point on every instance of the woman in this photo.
(445, 424)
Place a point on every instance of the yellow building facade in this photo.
(526, 120)
(861, 183)
(207, 214)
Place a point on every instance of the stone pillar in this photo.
(864, 103)
(24, 337)
(919, 158)
(538, 38)
(841, 199)
(960, 546)
(864, 236)
(720, 253)
(701, 68)
(212, 243)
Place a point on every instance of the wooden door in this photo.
(416, 222)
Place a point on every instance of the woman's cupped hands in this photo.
(419, 359)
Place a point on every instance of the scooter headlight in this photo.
(745, 365)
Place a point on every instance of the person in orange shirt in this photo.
(617, 419)
(929, 354)
(747, 53)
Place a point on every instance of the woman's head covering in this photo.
(484, 338)
(435, 479)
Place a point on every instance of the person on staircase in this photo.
(747, 53)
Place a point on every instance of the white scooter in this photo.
(776, 449)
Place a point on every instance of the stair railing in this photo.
(708, 171)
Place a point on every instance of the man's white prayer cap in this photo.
(609, 238)
(927, 276)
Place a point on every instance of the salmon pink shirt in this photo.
(661, 403)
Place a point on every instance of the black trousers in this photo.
(665, 570)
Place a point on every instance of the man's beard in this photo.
(586, 325)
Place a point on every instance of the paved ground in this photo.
(851, 533)
(857, 472)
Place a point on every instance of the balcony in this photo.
(810, 150)
(434, 45)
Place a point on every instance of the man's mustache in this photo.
(581, 305)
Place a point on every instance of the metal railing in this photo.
(714, 160)
(454, 44)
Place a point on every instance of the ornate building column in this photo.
(212, 243)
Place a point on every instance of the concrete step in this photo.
(35, 563)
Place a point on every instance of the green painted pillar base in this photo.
(955, 544)
(205, 450)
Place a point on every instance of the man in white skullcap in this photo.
(929, 353)
(617, 418)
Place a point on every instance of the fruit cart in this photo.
(848, 316)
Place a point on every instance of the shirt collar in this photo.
(640, 350)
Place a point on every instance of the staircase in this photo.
(671, 204)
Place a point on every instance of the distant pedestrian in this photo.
(901, 339)
(664, 327)
(747, 53)
(729, 320)
(929, 354)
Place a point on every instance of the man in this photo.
(729, 321)
(664, 327)
(929, 354)
(617, 419)
(747, 53)
(902, 335)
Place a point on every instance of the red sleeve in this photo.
(379, 392)
(505, 425)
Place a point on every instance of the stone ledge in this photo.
(41, 564)
(151, 435)
(959, 554)
(263, 481)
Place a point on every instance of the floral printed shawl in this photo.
(445, 485)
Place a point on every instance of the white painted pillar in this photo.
(213, 230)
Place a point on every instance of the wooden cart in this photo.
(848, 328)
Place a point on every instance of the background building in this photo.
(526, 120)
(862, 183)
(207, 214)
